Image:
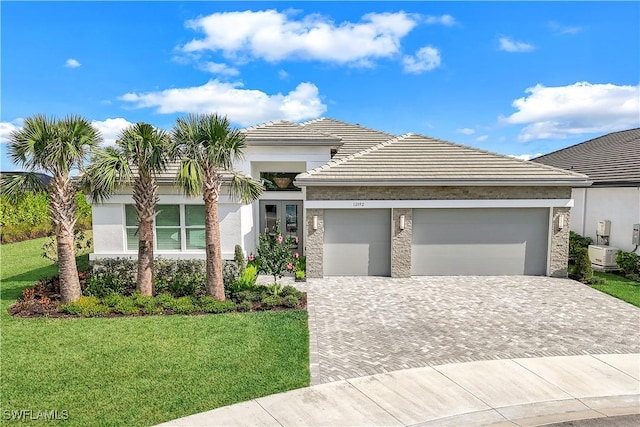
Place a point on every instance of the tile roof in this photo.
(607, 160)
(287, 133)
(420, 160)
(355, 138)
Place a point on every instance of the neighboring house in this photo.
(383, 205)
(612, 162)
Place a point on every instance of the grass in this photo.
(619, 287)
(139, 370)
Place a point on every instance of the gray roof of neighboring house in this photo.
(355, 138)
(420, 160)
(287, 133)
(612, 159)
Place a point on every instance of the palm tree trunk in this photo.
(62, 208)
(145, 194)
(211, 191)
(145, 258)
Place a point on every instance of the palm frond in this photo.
(15, 186)
(190, 177)
(27, 145)
(108, 170)
(245, 188)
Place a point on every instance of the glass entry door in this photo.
(289, 212)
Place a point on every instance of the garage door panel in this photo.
(357, 242)
(479, 241)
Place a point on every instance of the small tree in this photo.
(582, 271)
(274, 253)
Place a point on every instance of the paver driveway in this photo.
(368, 325)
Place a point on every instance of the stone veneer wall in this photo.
(401, 243)
(401, 239)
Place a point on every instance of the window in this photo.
(177, 227)
(194, 225)
(131, 226)
(168, 232)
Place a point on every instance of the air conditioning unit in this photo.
(603, 257)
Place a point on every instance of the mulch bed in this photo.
(43, 300)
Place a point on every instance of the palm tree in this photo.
(208, 148)
(56, 147)
(142, 153)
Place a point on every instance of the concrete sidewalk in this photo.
(522, 392)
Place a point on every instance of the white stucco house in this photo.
(612, 162)
(364, 202)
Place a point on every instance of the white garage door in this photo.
(479, 241)
(357, 242)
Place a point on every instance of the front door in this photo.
(289, 212)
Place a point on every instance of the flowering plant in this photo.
(274, 254)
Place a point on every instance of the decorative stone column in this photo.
(559, 263)
(401, 243)
(315, 241)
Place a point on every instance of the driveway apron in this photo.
(369, 325)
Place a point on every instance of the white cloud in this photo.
(7, 127)
(243, 106)
(466, 131)
(558, 28)
(219, 68)
(509, 45)
(557, 112)
(282, 75)
(446, 20)
(426, 59)
(111, 128)
(72, 63)
(274, 36)
(525, 156)
(482, 138)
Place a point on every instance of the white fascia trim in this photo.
(450, 183)
(294, 142)
(438, 204)
(167, 199)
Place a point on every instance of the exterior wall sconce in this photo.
(315, 222)
(562, 219)
(402, 224)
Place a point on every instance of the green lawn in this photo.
(143, 370)
(619, 287)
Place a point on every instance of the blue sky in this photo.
(517, 78)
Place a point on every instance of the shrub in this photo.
(126, 306)
(628, 262)
(290, 301)
(211, 305)
(182, 305)
(112, 275)
(253, 295)
(244, 306)
(29, 217)
(290, 290)
(300, 275)
(165, 300)
(179, 277)
(271, 301)
(86, 306)
(577, 242)
(230, 273)
(238, 257)
(582, 270)
(595, 280)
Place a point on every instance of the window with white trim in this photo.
(176, 228)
